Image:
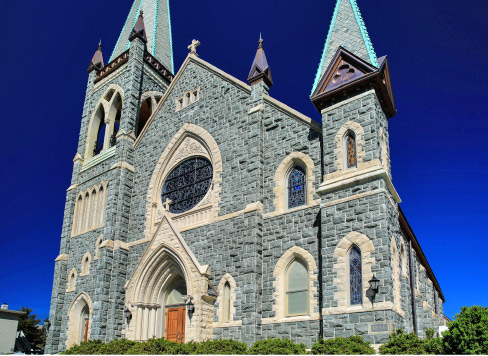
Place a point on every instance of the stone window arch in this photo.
(353, 130)
(72, 280)
(98, 243)
(226, 301)
(282, 175)
(104, 123)
(149, 102)
(296, 187)
(295, 255)
(85, 264)
(342, 296)
(190, 141)
(79, 320)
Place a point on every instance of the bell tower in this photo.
(353, 93)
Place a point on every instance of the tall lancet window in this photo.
(297, 184)
(296, 289)
(351, 158)
(226, 316)
(355, 276)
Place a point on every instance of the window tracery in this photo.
(187, 99)
(89, 212)
(187, 184)
(297, 187)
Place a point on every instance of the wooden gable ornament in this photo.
(347, 74)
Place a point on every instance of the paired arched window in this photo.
(226, 301)
(355, 276)
(350, 148)
(296, 288)
(297, 187)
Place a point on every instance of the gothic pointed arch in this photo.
(299, 161)
(345, 149)
(73, 274)
(189, 142)
(226, 301)
(79, 320)
(85, 264)
(280, 273)
(104, 122)
(149, 102)
(168, 259)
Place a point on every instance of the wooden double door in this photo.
(175, 324)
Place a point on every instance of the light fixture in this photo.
(127, 315)
(190, 307)
(374, 283)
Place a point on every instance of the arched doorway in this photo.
(79, 320)
(174, 310)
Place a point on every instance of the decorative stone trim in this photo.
(98, 243)
(62, 257)
(220, 300)
(279, 293)
(78, 159)
(128, 135)
(166, 257)
(362, 308)
(341, 269)
(123, 165)
(74, 313)
(115, 245)
(72, 187)
(290, 319)
(190, 97)
(403, 254)
(89, 212)
(72, 280)
(395, 267)
(189, 141)
(85, 264)
(281, 178)
(340, 149)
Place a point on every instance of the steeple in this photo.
(97, 60)
(260, 69)
(347, 30)
(157, 28)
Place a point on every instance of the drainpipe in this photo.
(412, 290)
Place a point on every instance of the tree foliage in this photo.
(400, 343)
(29, 324)
(468, 333)
(353, 345)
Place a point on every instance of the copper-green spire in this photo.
(347, 30)
(157, 23)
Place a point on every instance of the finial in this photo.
(260, 40)
(100, 44)
(193, 47)
(260, 69)
(139, 29)
(97, 60)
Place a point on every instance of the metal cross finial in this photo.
(260, 40)
(193, 47)
(167, 203)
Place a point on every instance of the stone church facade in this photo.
(202, 208)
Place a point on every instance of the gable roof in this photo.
(347, 29)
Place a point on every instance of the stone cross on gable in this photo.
(193, 47)
(167, 203)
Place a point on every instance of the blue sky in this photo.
(437, 52)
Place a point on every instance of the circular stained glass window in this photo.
(187, 184)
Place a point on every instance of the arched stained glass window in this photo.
(351, 150)
(355, 275)
(296, 289)
(297, 184)
(188, 184)
(226, 305)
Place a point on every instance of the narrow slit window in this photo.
(351, 150)
(226, 305)
(355, 275)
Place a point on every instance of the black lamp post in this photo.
(190, 307)
(374, 283)
(127, 315)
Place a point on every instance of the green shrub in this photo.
(115, 347)
(433, 344)
(85, 348)
(403, 344)
(468, 333)
(353, 345)
(216, 347)
(157, 347)
(277, 347)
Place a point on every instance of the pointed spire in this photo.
(157, 22)
(97, 60)
(346, 30)
(260, 69)
(139, 29)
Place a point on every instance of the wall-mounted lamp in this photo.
(374, 285)
(127, 315)
(190, 307)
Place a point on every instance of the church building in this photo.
(200, 207)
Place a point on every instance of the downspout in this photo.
(412, 290)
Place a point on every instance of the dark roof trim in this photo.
(407, 229)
